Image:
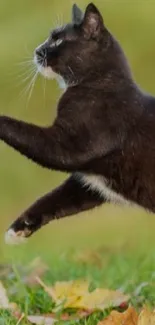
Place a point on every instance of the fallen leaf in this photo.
(66, 293)
(100, 299)
(50, 319)
(75, 294)
(129, 317)
(146, 317)
(4, 301)
(70, 292)
(41, 320)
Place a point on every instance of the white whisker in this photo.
(26, 71)
(32, 84)
(70, 69)
(57, 20)
(78, 57)
(23, 63)
(24, 76)
(44, 85)
(28, 77)
(44, 90)
(27, 50)
(62, 18)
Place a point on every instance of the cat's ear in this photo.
(93, 24)
(77, 15)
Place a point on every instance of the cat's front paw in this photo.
(14, 238)
(21, 229)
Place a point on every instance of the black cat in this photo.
(104, 132)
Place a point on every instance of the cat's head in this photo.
(73, 50)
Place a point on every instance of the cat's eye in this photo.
(56, 43)
(27, 223)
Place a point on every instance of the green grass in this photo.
(121, 269)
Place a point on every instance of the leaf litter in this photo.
(130, 317)
(73, 301)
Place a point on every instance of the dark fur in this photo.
(105, 124)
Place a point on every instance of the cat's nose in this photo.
(39, 56)
(40, 53)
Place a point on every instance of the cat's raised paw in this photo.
(15, 238)
(22, 228)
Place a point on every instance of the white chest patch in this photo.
(100, 184)
(61, 82)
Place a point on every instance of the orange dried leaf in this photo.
(146, 317)
(129, 317)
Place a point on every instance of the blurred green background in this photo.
(23, 26)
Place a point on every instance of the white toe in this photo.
(14, 238)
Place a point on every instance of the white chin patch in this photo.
(47, 72)
(14, 238)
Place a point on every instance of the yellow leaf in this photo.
(146, 317)
(75, 294)
(63, 289)
(129, 317)
(100, 299)
(70, 292)
(66, 292)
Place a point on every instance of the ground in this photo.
(113, 268)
